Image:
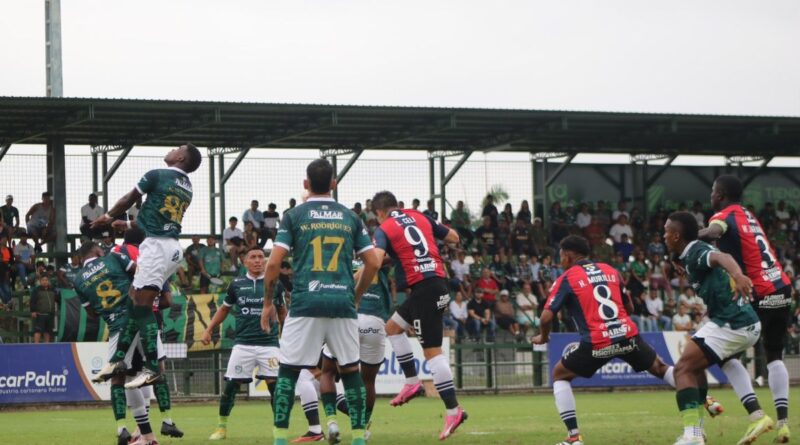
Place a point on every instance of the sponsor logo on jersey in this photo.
(184, 184)
(368, 331)
(93, 270)
(425, 267)
(316, 286)
(774, 301)
(325, 214)
(614, 350)
(444, 300)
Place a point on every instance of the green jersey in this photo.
(377, 300)
(169, 193)
(322, 235)
(103, 284)
(211, 257)
(713, 285)
(246, 297)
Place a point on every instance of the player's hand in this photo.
(679, 269)
(119, 225)
(206, 337)
(267, 316)
(743, 287)
(102, 221)
(538, 340)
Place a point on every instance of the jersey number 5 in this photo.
(333, 264)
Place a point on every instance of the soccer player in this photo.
(734, 325)
(594, 294)
(101, 285)
(169, 193)
(322, 235)
(373, 312)
(253, 347)
(409, 238)
(739, 234)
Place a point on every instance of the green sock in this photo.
(329, 405)
(284, 397)
(126, 336)
(223, 422)
(161, 390)
(227, 399)
(118, 404)
(279, 435)
(687, 404)
(148, 333)
(356, 394)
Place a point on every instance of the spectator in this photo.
(210, 263)
(478, 263)
(639, 315)
(621, 210)
(89, 213)
(603, 252)
(636, 220)
(656, 247)
(459, 314)
(548, 273)
(503, 236)
(67, 273)
(522, 271)
(584, 218)
(133, 212)
(682, 321)
(5, 231)
(692, 302)
(415, 204)
(459, 267)
(460, 221)
(767, 216)
(192, 256)
(624, 247)
(655, 309)
(487, 236)
(233, 242)
(595, 232)
(256, 217)
(536, 277)
(108, 243)
(39, 220)
(697, 212)
(6, 257)
(569, 216)
(638, 275)
(431, 210)
(488, 286)
(43, 309)
(521, 238)
(621, 227)
(480, 318)
(527, 305)
(699, 320)
(401, 204)
(525, 212)
(359, 212)
(292, 203)
(500, 269)
(782, 215)
(507, 214)
(271, 221)
(10, 215)
(504, 314)
(658, 276)
(603, 215)
(24, 257)
(539, 238)
(490, 210)
(369, 212)
(250, 236)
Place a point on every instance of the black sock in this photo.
(341, 404)
(407, 364)
(750, 402)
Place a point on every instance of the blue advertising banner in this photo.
(668, 346)
(40, 373)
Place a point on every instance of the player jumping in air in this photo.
(322, 235)
(595, 296)
(739, 234)
(409, 237)
(169, 193)
(253, 347)
(733, 328)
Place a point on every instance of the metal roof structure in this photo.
(116, 123)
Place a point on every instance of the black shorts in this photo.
(423, 310)
(44, 323)
(775, 314)
(585, 361)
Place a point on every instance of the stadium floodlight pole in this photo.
(52, 23)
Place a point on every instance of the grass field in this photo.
(605, 418)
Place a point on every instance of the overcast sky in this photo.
(729, 57)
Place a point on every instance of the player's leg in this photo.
(775, 323)
(119, 407)
(341, 336)
(577, 361)
(692, 363)
(327, 392)
(372, 345)
(308, 387)
(161, 391)
(396, 333)
(266, 359)
(234, 377)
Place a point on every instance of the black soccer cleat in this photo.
(171, 430)
(123, 437)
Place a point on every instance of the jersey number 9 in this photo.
(415, 237)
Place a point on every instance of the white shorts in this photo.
(371, 340)
(303, 337)
(159, 258)
(135, 345)
(244, 358)
(722, 342)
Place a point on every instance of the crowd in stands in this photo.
(500, 273)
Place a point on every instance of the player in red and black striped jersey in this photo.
(595, 296)
(738, 233)
(409, 237)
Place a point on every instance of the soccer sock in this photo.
(779, 386)
(142, 417)
(226, 401)
(405, 356)
(284, 399)
(164, 403)
(687, 399)
(341, 404)
(443, 381)
(356, 394)
(148, 332)
(740, 380)
(329, 405)
(310, 402)
(126, 336)
(669, 376)
(702, 392)
(118, 405)
(565, 404)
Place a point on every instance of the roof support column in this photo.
(109, 173)
(212, 195)
(332, 154)
(221, 194)
(544, 181)
(57, 185)
(4, 150)
(444, 176)
(218, 179)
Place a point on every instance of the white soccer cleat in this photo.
(333, 433)
(144, 378)
(693, 440)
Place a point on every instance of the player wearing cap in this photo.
(409, 238)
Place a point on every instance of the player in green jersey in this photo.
(169, 193)
(322, 236)
(734, 325)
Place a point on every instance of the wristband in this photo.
(129, 223)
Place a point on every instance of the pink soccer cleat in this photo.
(452, 422)
(408, 392)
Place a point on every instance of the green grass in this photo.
(605, 418)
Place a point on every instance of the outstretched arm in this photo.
(711, 233)
(118, 209)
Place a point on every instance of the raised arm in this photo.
(711, 233)
(118, 209)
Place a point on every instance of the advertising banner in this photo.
(189, 316)
(74, 324)
(668, 346)
(390, 377)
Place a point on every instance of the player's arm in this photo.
(270, 278)
(217, 320)
(555, 301)
(743, 284)
(372, 262)
(123, 225)
(443, 232)
(29, 215)
(119, 209)
(716, 228)
(545, 325)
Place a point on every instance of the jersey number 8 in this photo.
(174, 208)
(107, 294)
(607, 310)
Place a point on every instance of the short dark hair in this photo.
(320, 175)
(384, 200)
(92, 195)
(133, 236)
(576, 244)
(254, 248)
(48, 194)
(233, 218)
(194, 158)
(86, 248)
(730, 186)
(688, 224)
